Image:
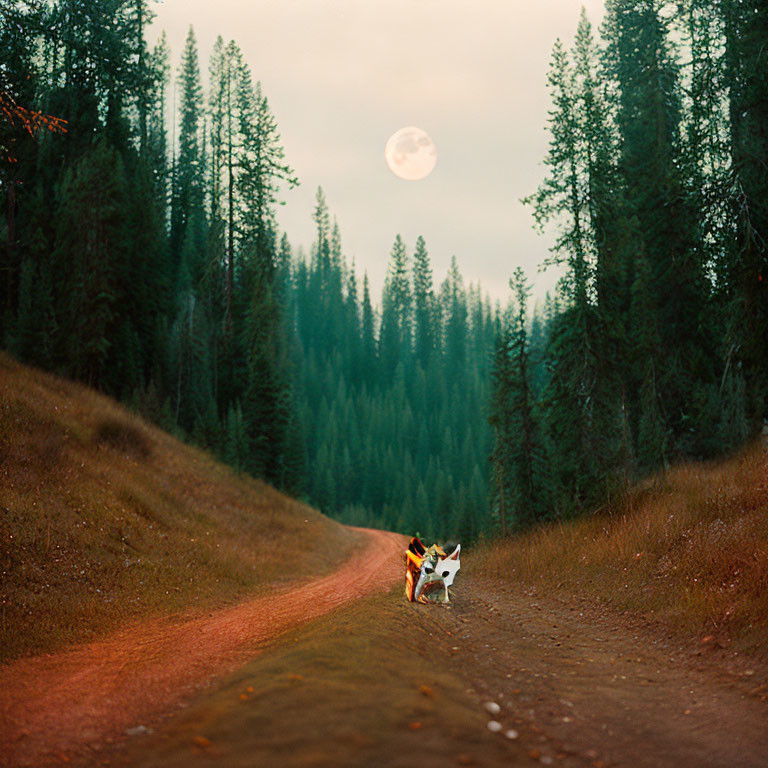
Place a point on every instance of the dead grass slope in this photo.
(689, 551)
(104, 519)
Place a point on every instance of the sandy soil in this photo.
(57, 707)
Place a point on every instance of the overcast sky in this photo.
(342, 75)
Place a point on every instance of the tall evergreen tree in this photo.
(187, 194)
(262, 169)
(91, 249)
(395, 341)
(424, 304)
(501, 418)
(746, 272)
(641, 59)
(527, 449)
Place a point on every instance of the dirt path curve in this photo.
(60, 705)
(585, 688)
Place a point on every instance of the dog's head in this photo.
(437, 573)
(449, 565)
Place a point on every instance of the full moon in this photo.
(410, 154)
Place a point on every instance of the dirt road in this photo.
(54, 707)
(380, 680)
(384, 681)
(585, 687)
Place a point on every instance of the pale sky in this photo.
(341, 76)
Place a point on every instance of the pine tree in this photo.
(520, 494)
(262, 169)
(236, 449)
(187, 193)
(564, 193)
(37, 324)
(501, 419)
(395, 339)
(139, 17)
(641, 59)
(453, 303)
(18, 81)
(91, 246)
(527, 449)
(424, 304)
(368, 343)
(746, 273)
(157, 138)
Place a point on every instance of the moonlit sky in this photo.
(342, 75)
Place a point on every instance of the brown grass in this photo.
(689, 550)
(104, 519)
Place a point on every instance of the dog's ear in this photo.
(455, 555)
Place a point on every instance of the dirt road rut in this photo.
(56, 706)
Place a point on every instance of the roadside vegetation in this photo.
(106, 519)
(689, 550)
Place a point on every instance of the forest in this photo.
(656, 186)
(141, 255)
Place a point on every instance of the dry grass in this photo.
(689, 551)
(104, 518)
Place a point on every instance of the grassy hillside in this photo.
(689, 550)
(105, 519)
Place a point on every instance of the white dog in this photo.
(437, 569)
(448, 567)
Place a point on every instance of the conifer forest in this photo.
(140, 254)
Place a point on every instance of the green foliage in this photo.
(501, 420)
(425, 318)
(391, 427)
(156, 271)
(236, 449)
(187, 177)
(395, 339)
(648, 355)
(90, 253)
(152, 277)
(744, 271)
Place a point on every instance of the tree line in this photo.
(150, 266)
(141, 264)
(655, 347)
(393, 402)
